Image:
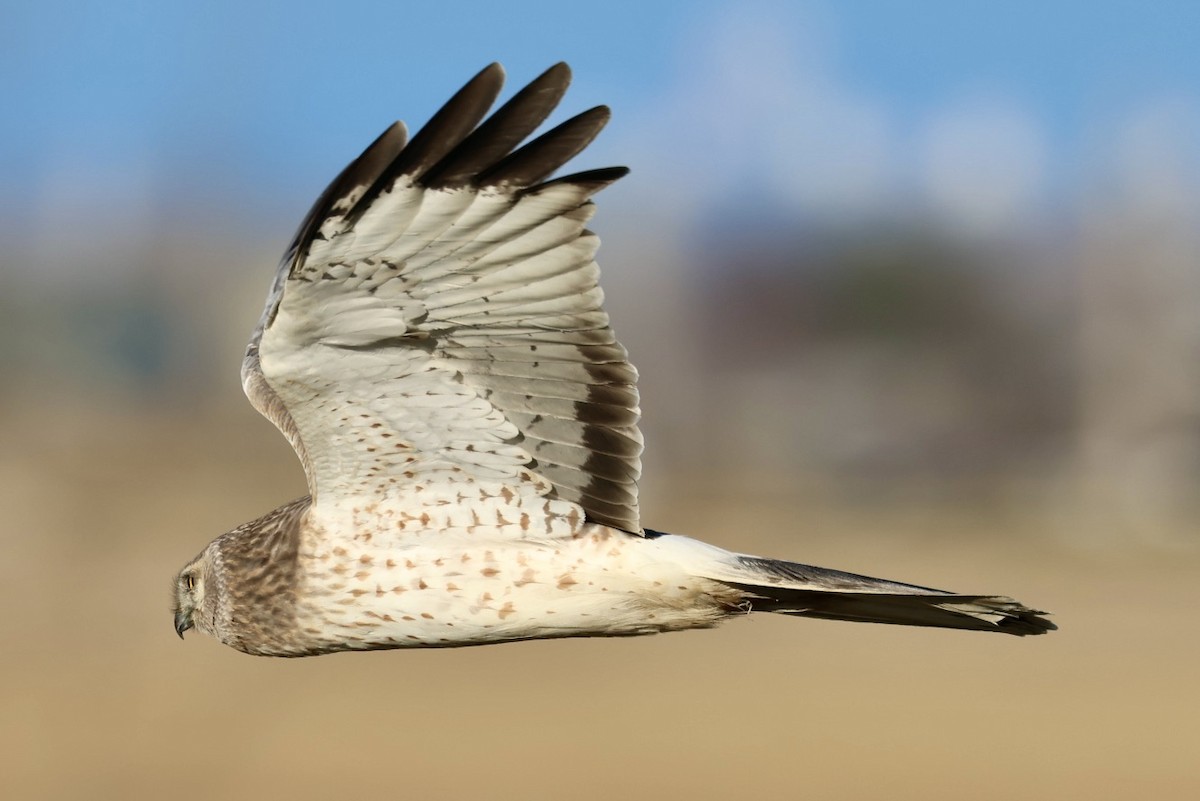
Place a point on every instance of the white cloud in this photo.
(1156, 157)
(758, 107)
(983, 165)
(761, 110)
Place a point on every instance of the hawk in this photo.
(435, 349)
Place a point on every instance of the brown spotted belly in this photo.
(471, 590)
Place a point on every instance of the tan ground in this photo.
(100, 700)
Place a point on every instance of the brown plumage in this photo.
(435, 349)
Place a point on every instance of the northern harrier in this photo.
(435, 350)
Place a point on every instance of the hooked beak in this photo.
(183, 622)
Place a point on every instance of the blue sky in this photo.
(820, 103)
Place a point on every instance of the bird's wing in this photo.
(437, 321)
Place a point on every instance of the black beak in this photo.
(183, 622)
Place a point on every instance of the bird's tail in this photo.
(794, 589)
(789, 588)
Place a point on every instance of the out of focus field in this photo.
(914, 290)
(102, 701)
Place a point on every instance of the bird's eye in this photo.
(189, 582)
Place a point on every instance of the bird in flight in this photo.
(435, 349)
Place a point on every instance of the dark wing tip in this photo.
(540, 158)
(446, 129)
(593, 180)
(458, 148)
(503, 131)
(358, 176)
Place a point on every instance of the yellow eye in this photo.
(189, 582)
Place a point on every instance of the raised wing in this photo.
(437, 321)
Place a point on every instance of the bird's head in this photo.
(195, 596)
(241, 589)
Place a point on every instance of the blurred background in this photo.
(915, 292)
